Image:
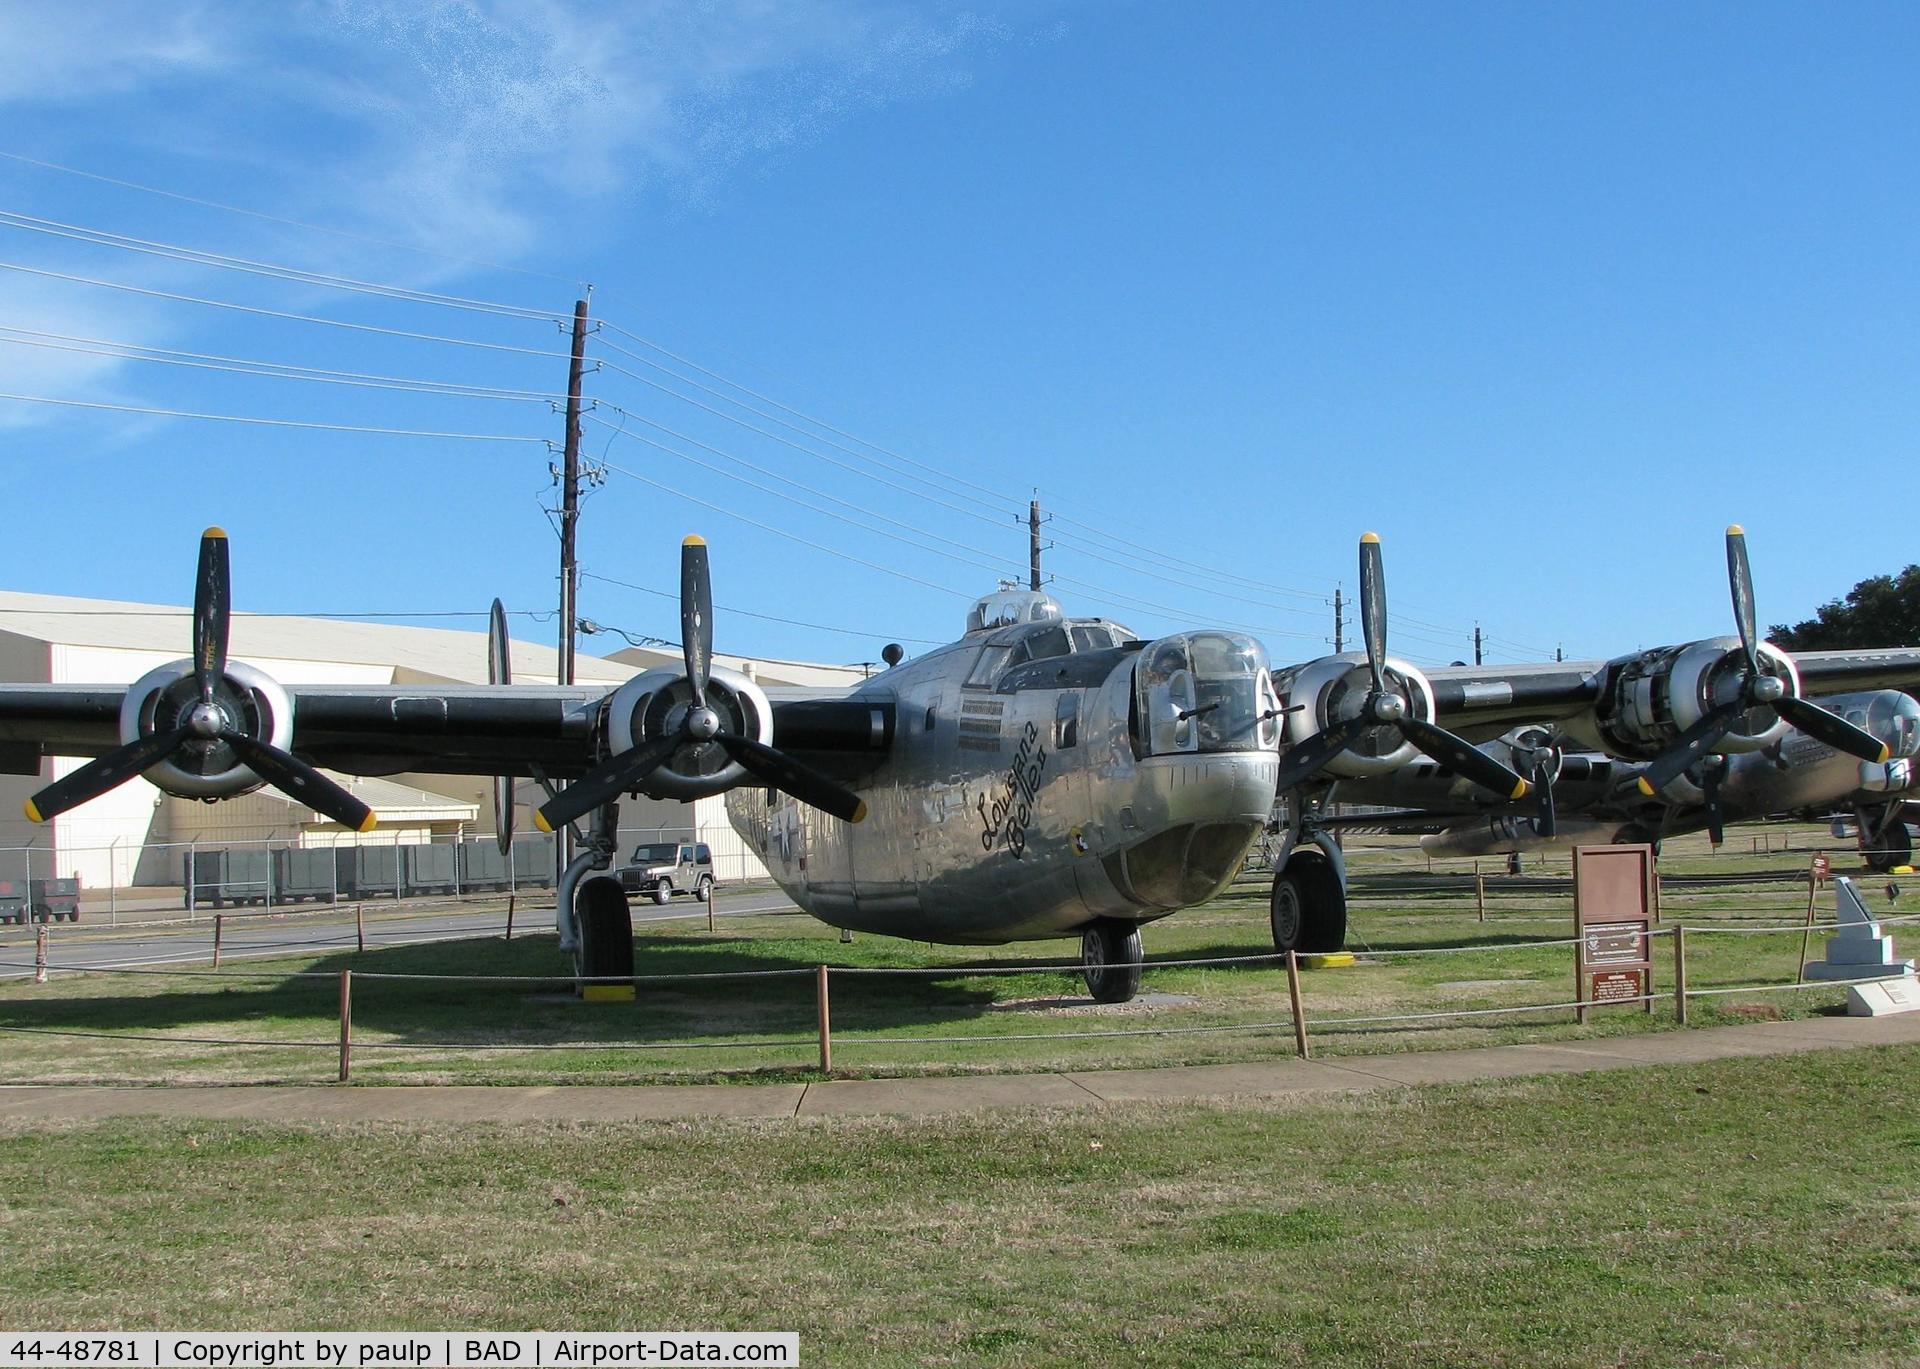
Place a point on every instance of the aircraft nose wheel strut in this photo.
(1110, 953)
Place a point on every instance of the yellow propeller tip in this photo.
(693, 539)
(859, 812)
(220, 533)
(33, 812)
(367, 824)
(1735, 530)
(1369, 537)
(1520, 789)
(1642, 785)
(540, 821)
(1885, 752)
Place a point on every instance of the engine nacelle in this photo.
(653, 705)
(1334, 688)
(1650, 699)
(253, 702)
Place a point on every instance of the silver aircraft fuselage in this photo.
(1043, 773)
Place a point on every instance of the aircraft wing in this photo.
(444, 730)
(1481, 702)
(1836, 672)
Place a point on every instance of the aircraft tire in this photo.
(1111, 953)
(1307, 911)
(606, 930)
(1892, 847)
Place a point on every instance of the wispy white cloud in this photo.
(72, 54)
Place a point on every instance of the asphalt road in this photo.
(252, 935)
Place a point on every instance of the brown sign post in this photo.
(1612, 921)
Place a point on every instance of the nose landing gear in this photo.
(1111, 953)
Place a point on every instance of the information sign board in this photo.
(1612, 920)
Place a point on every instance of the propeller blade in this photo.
(97, 776)
(499, 672)
(696, 616)
(789, 776)
(606, 782)
(1547, 824)
(1373, 607)
(1304, 761)
(298, 780)
(1694, 743)
(1463, 759)
(1710, 789)
(1740, 577)
(1831, 728)
(212, 598)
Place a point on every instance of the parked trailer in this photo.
(226, 877)
(303, 872)
(41, 900)
(432, 869)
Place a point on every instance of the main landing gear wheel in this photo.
(606, 930)
(1111, 953)
(1308, 908)
(1892, 847)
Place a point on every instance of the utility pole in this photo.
(1033, 543)
(1477, 658)
(1339, 623)
(569, 526)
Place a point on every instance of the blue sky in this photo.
(1546, 295)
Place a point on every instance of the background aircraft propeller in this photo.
(1383, 708)
(1758, 689)
(700, 723)
(205, 723)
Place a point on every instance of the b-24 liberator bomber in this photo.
(1041, 776)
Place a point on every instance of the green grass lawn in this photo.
(1751, 1212)
(960, 1020)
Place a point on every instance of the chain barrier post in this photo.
(219, 923)
(1299, 1015)
(826, 1030)
(346, 1025)
(1480, 893)
(360, 928)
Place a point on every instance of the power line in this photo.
(275, 218)
(783, 479)
(818, 423)
(267, 422)
(280, 313)
(100, 237)
(132, 351)
(782, 532)
(1132, 548)
(987, 566)
(994, 520)
(864, 633)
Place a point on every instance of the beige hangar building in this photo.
(135, 834)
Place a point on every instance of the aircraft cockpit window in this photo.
(1206, 691)
(1043, 645)
(987, 669)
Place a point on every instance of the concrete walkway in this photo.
(930, 1097)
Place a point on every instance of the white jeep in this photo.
(661, 869)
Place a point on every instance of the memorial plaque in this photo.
(1612, 919)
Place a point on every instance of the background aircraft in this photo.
(1039, 776)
